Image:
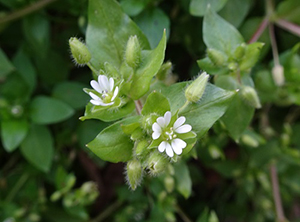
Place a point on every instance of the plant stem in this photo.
(108, 211)
(183, 216)
(291, 27)
(138, 106)
(276, 194)
(17, 187)
(25, 11)
(260, 30)
(274, 45)
(92, 68)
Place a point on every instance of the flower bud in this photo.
(164, 71)
(250, 97)
(157, 163)
(79, 51)
(196, 89)
(217, 57)
(141, 147)
(133, 52)
(56, 196)
(134, 173)
(249, 140)
(278, 75)
(169, 183)
(239, 52)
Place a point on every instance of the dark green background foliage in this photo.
(46, 169)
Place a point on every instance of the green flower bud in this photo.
(169, 183)
(79, 51)
(249, 140)
(217, 57)
(134, 173)
(278, 75)
(157, 163)
(250, 97)
(148, 121)
(141, 147)
(34, 217)
(196, 89)
(232, 66)
(285, 139)
(111, 70)
(251, 56)
(164, 71)
(133, 52)
(56, 196)
(137, 134)
(240, 51)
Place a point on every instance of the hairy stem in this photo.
(107, 212)
(183, 216)
(276, 194)
(138, 106)
(25, 11)
(291, 27)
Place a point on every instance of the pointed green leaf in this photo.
(47, 110)
(219, 34)
(108, 31)
(5, 65)
(12, 133)
(156, 103)
(38, 148)
(183, 179)
(112, 144)
(151, 63)
(199, 7)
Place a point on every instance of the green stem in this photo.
(184, 106)
(107, 212)
(25, 11)
(183, 216)
(92, 68)
(138, 106)
(17, 187)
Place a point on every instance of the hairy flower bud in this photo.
(250, 96)
(217, 57)
(157, 163)
(239, 52)
(134, 173)
(133, 52)
(278, 75)
(79, 51)
(164, 71)
(141, 147)
(196, 89)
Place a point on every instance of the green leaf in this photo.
(183, 179)
(108, 115)
(71, 93)
(219, 34)
(212, 106)
(153, 22)
(233, 16)
(156, 103)
(133, 7)
(108, 31)
(289, 10)
(237, 117)
(12, 133)
(47, 110)
(152, 61)
(25, 68)
(38, 148)
(251, 56)
(36, 29)
(5, 65)
(199, 7)
(112, 144)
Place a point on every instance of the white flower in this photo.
(170, 142)
(105, 87)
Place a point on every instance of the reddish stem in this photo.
(291, 27)
(263, 25)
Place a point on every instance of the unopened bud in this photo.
(169, 183)
(134, 173)
(133, 52)
(240, 51)
(141, 147)
(196, 89)
(56, 196)
(278, 75)
(249, 140)
(79, 51)
(157, 163)
(164, 71)
(217, 57)
(249, 95)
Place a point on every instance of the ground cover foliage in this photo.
(149, 110)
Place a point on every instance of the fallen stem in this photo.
(25, 11)
(17, 187)
(276, 194)
(291, 27)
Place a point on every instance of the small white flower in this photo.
(170, 142)
(105, 87)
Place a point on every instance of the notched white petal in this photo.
(179, 122)
(161, 122)
(184, 129)
(162, 146)
(156, 135)
(111, 84)
(169, 150)
(167, 118)
(156, 127)
(94, 96)
(115, 93)
(96, 86)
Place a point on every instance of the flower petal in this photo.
(161, 122)
(156, 128)
(94, 96)
(155, 135)
(103, 82)
(169, 150)
(111, 84)
(179, 122)
(178, 145)
(115, 93)
(184, 129)
(162, 146)
(96, 86)
(167, 118)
